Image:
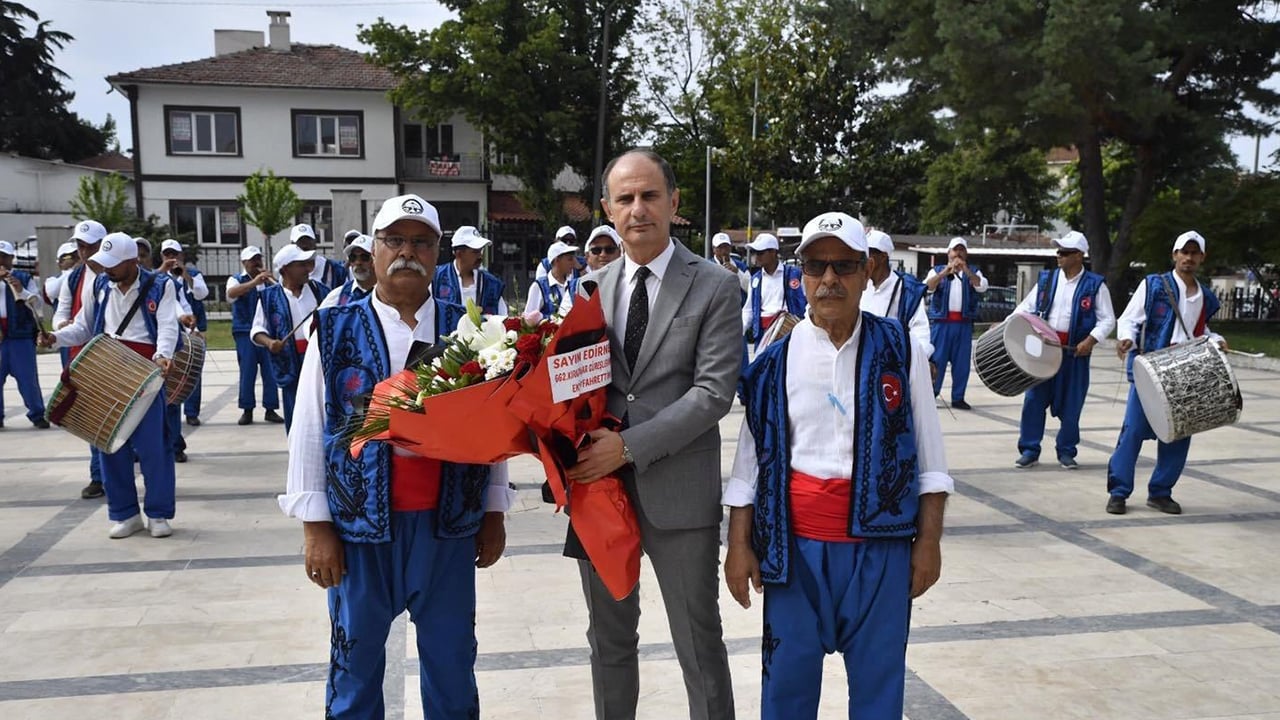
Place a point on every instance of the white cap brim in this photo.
(105, 259)
(475, 242)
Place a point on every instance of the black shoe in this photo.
(1026, 460)
(1115, 505)
(1165, 505)
(193, 421)
(961, 405)
(246, 418)
(273, 416)
(1068, 463)
(41, 423)
(92, 490)
(180, 456)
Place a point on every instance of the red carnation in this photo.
(443, 374)
(511, 323)
(471, 367)
(528, 344)
(548, 329)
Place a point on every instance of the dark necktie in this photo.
(637, 317)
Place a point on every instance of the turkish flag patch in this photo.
(891, 390)
(1086, 303)
(151, 306)
(795, 283)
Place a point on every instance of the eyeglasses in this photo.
(395, 242)
(603, 250)
(1064, 253)
(818, 268)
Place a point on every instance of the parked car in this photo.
(26, 257)
(997, 303)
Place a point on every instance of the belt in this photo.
(820, 508)
(415, 483)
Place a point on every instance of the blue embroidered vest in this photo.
(353, 354)
(551, 294)
(448, 287)
(1162, 315)
(884, 501)
(350, 292)
(911, 292)
(21, 319)
(150, 284)
(1084, 306)
(280, 323)
(243, 308)
(793, 300)
(334, 274)
(197, 306)
(940, 301)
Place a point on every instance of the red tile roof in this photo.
(1063, 155)
(305, 66)
(113, 161)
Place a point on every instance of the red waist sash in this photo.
(955, 317)
(301, 346)
(1063, 338)
(767, 320)
(820, 508)
(415, 483)
(146, 350)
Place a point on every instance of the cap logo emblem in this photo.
(107, 246)
(84, 227)
(412, 207)
(830, 224)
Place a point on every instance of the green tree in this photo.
(35, 119)
(268, 203)
(970, 184)
(1158, 77)
(526, 73)
(103, 198)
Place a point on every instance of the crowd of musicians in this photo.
(837, 491)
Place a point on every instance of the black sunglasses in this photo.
(1064, 252)
(818, 268)
(603, 250)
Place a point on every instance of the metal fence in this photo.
(1249, 304)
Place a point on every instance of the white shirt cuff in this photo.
(936, 482)
(306, 506)
(499, 498)
(738, 493)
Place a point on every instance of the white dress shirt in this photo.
(53, 286)
(300, 306)
(1189, 308)
(305, 497)
(534, 303)
(63, 313)
(652, 284)
(772, 297)
(317, 272)
(30, 290)
(884, 301)
(822, 416)
(955, 303)
(117, 305)
(199, 288)
(1061, 304)
(469, 291)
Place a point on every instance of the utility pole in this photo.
(751, 186)
(596, 181)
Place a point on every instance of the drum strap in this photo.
(1177, 311)
(143, 288)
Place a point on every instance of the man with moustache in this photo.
(838, 489)
(466, 279)
(360, 268)
(388, 531)
(243, 292)
(329, 273)
(953, 307)
(603, 247)
(74, 295)
(140, 308)
(675, 340)
(282, 321)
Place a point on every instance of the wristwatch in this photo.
(627, 457)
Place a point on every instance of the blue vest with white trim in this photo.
(940, 301)
(448, 287)
(793, 299)
(280, 322)
(1084, 305)
(21, 321)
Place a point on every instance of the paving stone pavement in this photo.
(1047, 607)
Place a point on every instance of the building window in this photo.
(327, 133)
(433, 142)
(319, 215)
(210, 222)
(202, 131)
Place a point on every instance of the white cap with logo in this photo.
(250, 252)
(763, 242)
(6, 248)
(116, 248)
(604, 231)
(406, 207)
(880, 240)
(956, 242)
(566, 231)
(720, 239)
(66, 248)
(558, 248)
(1186, 237)
(291, 254)
(468, 236)
(1073, 240)
(170, 245)
(837, 225)
(301, 230)
(359, 242)
(89, 231)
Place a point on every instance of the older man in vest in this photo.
(360, 268)
(243, 292)
(281, 323)
(773, 288)
(953, 308)
(838, 488)
(388, 531)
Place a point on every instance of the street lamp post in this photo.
(706, 232)
(600, 112)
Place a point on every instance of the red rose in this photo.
(511, 323)
(548, 329)
(528, 344)
(471, 367)
(443, 374)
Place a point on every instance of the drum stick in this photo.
(305, 318)
(946, 405)
(1246, 354)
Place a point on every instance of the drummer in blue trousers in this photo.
(243, 291)
(1077, 305)
(952, 308)
(1166, 309)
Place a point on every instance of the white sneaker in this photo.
(125, 528)
(159, 527)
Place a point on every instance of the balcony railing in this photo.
(459, 166)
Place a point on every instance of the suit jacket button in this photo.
(631, 398)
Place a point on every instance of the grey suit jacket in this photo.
(684, 383)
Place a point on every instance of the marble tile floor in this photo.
(1047, 608)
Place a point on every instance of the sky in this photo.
(113, 36)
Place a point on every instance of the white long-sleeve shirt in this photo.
(66, 291)
(822, 416)
(772, 295)
(884, 301)
(534, 303)
(30, 290)
(1060, 306)
(955, 303)
(469, 291)
(300, 306)
(304, 496)
(1189, 308)
(117, 305)
(53, 286)
(652, 284)
(199, 288)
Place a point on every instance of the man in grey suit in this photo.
(674, 329)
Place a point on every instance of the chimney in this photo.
(278, 30)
